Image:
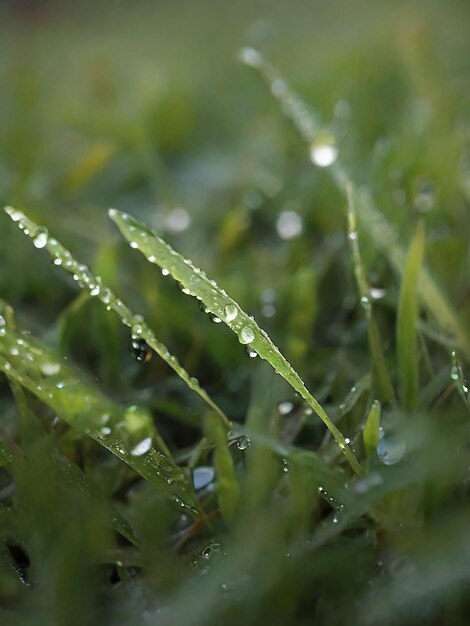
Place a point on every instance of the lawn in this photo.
(235, 340)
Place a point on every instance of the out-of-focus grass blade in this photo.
(456, 374)
(310, 127)
(48, 377)
(217, 303)
(381, 375)
(96, 288)
(371, 432)
(228, 490)
(407, 337)
(6, 455)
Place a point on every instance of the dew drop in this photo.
(231, 312)
(243, 442)
(50, 369)
(165, 271)
(214, 318)
(250, 57)
(40, 241)
(390, 450)
(365, 302)
(285, 408)
(246, 334)
(141, 350)
(376, 293)
(105, 431)
(209, 550)
(202, 477)
(289, 225)
(177, 220)
(251, 352)
(323, 151)
(142, 447)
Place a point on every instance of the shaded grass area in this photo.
(139, 489)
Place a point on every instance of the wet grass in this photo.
(161, 461)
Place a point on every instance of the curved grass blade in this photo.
(407, 334)
(196, 283)
(381, 375)
(38, 369)
(96, 288)
(310, 128)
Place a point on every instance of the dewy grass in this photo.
(124, 432)
(324, 153)
(381, 375)
(95, 287)
(217, 303)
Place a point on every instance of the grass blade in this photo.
(217, 303)
(228, 490)
(381, 375)
(457, 376)
(407, 334)
(310, 128)
(38, 369)
(95, 287)
(371, 432)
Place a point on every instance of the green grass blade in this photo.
(38, 369)
(407, 319)
(6, 455)
(458, 378)
(96, 288)
(310, 128)
(195, 282)
(381, 375)
(371, 432)
(228, 490)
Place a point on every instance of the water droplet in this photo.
(243, 442)
(50, 369)
(454, 373)
(105, 431)
(165, 271)
(142, 447)
(425, 197)
(251, 352)
(289, 225)
(231, 312)
(40, 240)
(352, 235)
(141, 349)
(365, 302)
(214, 318)
(285, 408)
(323, 151)
(250, 57)
(390, 450)
(210, 550)
(246, 334)
(177, 220)
(202, 477)
(376, 293)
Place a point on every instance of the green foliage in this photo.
(152, 469)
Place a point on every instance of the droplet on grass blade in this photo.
(323, 151)
(142, 447)
(246, 334)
